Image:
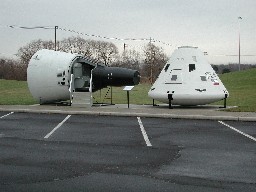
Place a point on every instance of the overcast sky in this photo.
(211, 25)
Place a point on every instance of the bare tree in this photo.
(76, 45)
(155, 59)
(12, 70)
(105, 52)
(26, 52)
(102, 51)
(129, 59)
(2, 68)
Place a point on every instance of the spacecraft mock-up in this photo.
(56, 76)
(188, 79)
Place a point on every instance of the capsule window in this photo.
(192, 67)
(166, 67)
(174, 77)
(203, 78)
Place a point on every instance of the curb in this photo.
(134, 114)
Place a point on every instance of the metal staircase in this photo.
(82, 99)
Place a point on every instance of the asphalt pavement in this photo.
(116, 148)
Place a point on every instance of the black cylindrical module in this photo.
(103, 76)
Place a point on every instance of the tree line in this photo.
(149, 63)
(221, 69)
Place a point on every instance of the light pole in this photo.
(55, 39)
(239, 50)
(151, 67)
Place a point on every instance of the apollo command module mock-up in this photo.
(188, 79)
(58, 76)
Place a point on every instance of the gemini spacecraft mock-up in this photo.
(188, 79)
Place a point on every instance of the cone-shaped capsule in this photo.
(188, 79)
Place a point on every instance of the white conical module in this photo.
(188, 79)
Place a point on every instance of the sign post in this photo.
(128, 89)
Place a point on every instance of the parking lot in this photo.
(59, 152)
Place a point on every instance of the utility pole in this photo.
(124, 53)
(55, 39)
(239, 49)
(151, 65)
(125, 45)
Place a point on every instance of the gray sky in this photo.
(211, 25)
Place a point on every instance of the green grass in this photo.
(241, 86)
(15, 93)
(242, 89)
(138, 95)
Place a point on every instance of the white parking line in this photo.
(6, 115)
(144, 133)
(58, 126)
(242, 133)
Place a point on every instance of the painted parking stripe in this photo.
(57, 127)
(144, 133)
(6, 115)
(242, 133)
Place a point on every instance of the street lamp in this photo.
(55, 39)
(239, 19)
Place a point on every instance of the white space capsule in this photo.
(49, 74)
(188, 79)
(55, 76)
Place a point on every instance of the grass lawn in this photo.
(242, 89)
(241, 86)
(15, 93)
(138, 95)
